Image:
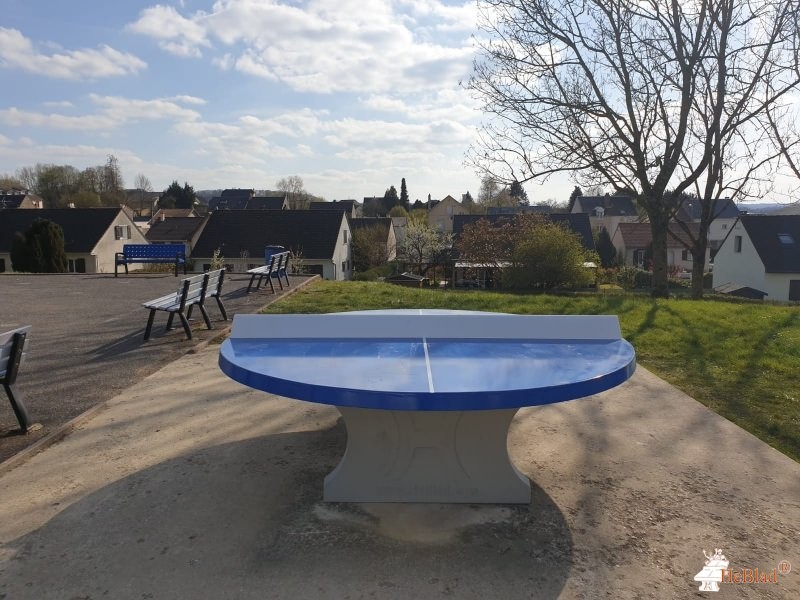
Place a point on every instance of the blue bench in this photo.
(151, 253)
(12, 351)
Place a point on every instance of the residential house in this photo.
(176, 230)
(318, 239)
(762, 252)
(349, 206)
(577, 223)
(542, 209)
(634, 240)
(607, 212)
(143, 203)
(386, 228)
(376, 206)
(274, 201)
(91, 235)
(17, 198)
(246, 199)
(399, 225)
(440, 215)
(724, 216)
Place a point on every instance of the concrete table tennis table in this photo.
(427, 396)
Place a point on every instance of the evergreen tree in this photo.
(390, 198)
(404, 194)
(519, 194)
(176, 196)
(605, 249)
(40, 249)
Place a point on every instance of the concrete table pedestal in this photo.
(427, 456)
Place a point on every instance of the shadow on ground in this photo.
(246, 520)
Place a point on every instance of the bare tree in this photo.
(143, 186)
(296, 195)
(632, 94)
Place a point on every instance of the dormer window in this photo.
(599, 211)
(785, 239)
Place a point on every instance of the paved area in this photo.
(190, 485)
(87, 343)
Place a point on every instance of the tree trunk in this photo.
(659, 222)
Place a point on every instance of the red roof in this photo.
(639, 235)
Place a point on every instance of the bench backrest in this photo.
(214, 285)
(283, 261)
(192, 290)
(154, 251)
(12, 352)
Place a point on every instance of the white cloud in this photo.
(15, 117)
(114, 112)
(324, 47)
(175, 33)
(58, 104)
(18, 52)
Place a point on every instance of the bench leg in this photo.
(205, 315)
(285, 276)
(19, 408)
(185, 323)
(221, 308)
(272, 287)
(149, 324)
(278, 277)
(169, 321)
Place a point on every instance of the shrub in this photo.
(40, 249)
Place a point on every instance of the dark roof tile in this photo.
(314, 233)
(83, 227)
(776, 239)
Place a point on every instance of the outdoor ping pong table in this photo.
(427, 396)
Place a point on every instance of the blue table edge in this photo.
(425, 400)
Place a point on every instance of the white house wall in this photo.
(777, 285)
(743, 267)
(107, 246)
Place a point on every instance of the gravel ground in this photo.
(86, 344)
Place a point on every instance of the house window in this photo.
(724, 226)
(794, 289)
(344, 237)
(785, 239)
(686, 255)
(344, 266)
(638, 258)
(2, 265)
(737, 243)
(77, 265)
(122, 232)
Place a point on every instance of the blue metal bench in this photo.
(152, 254)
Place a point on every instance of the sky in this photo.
(351, 95)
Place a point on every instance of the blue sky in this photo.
(351, 95)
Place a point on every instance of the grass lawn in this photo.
(742, 360)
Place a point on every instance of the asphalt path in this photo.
(86, 343)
